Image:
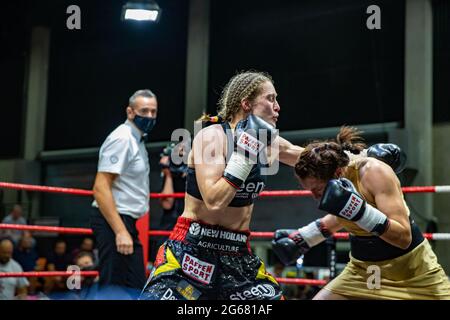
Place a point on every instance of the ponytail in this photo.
(349, 138)
(207, 119)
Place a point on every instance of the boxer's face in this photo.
(265, 104)
(316, 186)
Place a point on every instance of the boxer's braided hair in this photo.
(320, 159)
(244, 85)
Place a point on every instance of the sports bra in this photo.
(249, 190)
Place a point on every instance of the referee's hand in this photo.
(124, 243)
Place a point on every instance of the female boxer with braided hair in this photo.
(363, 196)
(208, 255)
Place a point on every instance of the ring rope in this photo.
(159, 233)
(297, 281)
(153, 195)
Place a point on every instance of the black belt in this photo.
(376, 249)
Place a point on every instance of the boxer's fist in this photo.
(289, 245)
(341, 199)
(389, 153)
(247, 147)
(252, 126)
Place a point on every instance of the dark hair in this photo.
(321, 159)
(60, 240)
(83, 254)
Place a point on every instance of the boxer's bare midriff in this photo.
(229, 217)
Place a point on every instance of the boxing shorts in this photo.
(203, 261)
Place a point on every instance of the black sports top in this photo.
(250, 189)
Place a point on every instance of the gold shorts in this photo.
(416, 275)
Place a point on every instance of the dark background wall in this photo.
(441, 61)
(328, 68)
(14, 42)
(321, 55)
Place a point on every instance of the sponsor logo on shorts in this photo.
(218, 246)
(197, 269)
(260, 291)
(187, 290)
(168, 295)
(195, 229)
(352, 207)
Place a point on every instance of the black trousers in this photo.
(116, 269)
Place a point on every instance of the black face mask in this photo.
(144, 124)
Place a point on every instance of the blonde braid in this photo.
(244, 85)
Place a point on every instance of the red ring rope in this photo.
(156, 233)
(296, 281)
(273, 193)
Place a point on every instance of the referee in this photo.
(121, 192)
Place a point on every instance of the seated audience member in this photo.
(11, 288)
(14, 217)
(58, 260)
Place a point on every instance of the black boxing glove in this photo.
(290, 244)
(390, 154)
(341, 199)
(249, 142)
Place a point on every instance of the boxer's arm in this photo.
(107, 206)
(288, 152)
(209, 160)
(380, 181)
(289, 244)
(331, 223)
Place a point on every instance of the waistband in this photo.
(376, 249)
(211, 237)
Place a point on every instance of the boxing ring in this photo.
(145, 233)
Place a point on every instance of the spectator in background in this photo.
(14, 217)
(89, 285)
(87, 245)
(58, 260)
(25, 253)
(11, 287)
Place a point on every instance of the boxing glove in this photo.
(341, 199)
(290, 244)
(248, 144)
(389, 153)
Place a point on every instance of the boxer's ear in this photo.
(338, 173)
(246, 105)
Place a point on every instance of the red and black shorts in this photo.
(203, 261)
